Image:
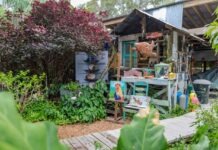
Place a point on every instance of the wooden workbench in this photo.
(170, 89)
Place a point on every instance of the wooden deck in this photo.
(175, 129)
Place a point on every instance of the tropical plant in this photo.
(207, 124)
(212, 32)
(17, 134)
(23, 85)
(48, 37)
(143, 133)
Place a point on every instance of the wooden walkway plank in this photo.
(89, 145)
(65, 142)
(178, 127)
(94, 140)
(104, 140)
(76, 144)
(110, 137)
(115, 133)
(175, 129)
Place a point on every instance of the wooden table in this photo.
(170, 89)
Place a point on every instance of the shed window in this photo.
(129, 56)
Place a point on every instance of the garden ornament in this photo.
(195, 101)
(145, 49)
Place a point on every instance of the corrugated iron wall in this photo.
(171, 14)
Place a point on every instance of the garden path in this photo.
(175, 129)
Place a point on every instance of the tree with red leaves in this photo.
(47, 38)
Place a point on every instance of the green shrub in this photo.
(23, 85)
(54, 90)
(88, 106)
(72, 86)
(69, 90)
(16, 134)
(41, 110)
(207, 124)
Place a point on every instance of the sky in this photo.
(78, 2)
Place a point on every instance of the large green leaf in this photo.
(202, 145)
(143, 133)
(16, 134)
(212, 32)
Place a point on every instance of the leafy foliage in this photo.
(177, 111)
(72, 86)
(47, 38)
(143, 133)
(2, 11)
(24, 86)
(120, 7)
(17, 134)
(202, 145)
(207, 124)
(54, 91)
(212, 32)
(19, 5)
(206, 136)
(41, 110)
(89, 105)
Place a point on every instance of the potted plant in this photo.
(69, 90)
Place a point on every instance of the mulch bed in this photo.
(67, 131)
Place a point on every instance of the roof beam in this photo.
(197, 2)
(190, 18)
(199, 15)
(197, 31)
(208, 9)
(112, 22)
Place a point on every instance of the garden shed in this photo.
(172, 46)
